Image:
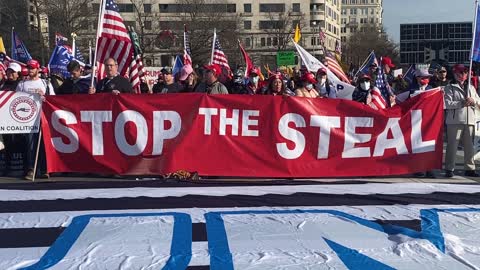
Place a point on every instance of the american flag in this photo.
(187, 53)
(218, 57)
(378, 98)
(335, 67)
(323, 36)
(113, 40)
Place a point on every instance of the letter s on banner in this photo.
(72, 136)
(291, 134)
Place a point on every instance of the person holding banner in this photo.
(189, 79)
(276, 86)
(460, 120)
(323, 86)
(362, 92)
(169, 86)
(211, 85)
(76, 84)
(113, 82)
(308, 86)
(33, 84)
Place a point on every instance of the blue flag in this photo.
(368, 62)
(78, 55)
(59, 61)
(19, 51)
(410, 74)
(177, 67)
(476, 44)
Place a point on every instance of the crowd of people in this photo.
(460, 97)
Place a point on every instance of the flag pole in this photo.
(90, 52)
(13, 43)
(99, 30)
(213, 44)
(472, 48)
(364, 62)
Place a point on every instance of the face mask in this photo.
(424, 81)
(322, 81)
(255, 79)
(309, 86)
(365, 85)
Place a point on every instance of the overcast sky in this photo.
(396, 12)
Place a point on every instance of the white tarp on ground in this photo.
(374, 226)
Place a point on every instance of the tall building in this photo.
(264, 27)
(358, 13)
(22, 15)
(444, 43)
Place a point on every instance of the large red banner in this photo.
(239, 135)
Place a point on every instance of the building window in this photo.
(247, 25)
(275, 41)
(296, 7)
(147, 8)
(272, 7)
(248, 42)
(262, 42)
(32, 18)
(204, 8)
(148, 62)
(263, 25)
(127, 8)
(247, 8)
(269, 41)
(148, 25)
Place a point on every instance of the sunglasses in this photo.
(442, 71)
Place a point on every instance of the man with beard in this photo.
(33, 84)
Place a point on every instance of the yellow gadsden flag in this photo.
(297, 35)
(2, 47)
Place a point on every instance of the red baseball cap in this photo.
(217, 70)
(275, 75)
(386, 61)
(33, 63)
(309, 77)
(322, 71)
(459, 68)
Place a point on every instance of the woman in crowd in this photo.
(308, 86)
(189, 79)
(276, 86)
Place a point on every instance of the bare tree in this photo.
(279, 26)
(15, 12)
(144, 20)
(201, 19)
(368, 38)
(67, 16)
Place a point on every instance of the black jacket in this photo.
(119, 83)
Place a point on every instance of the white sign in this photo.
(19, 112)
(151, 75)
(397, 72)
